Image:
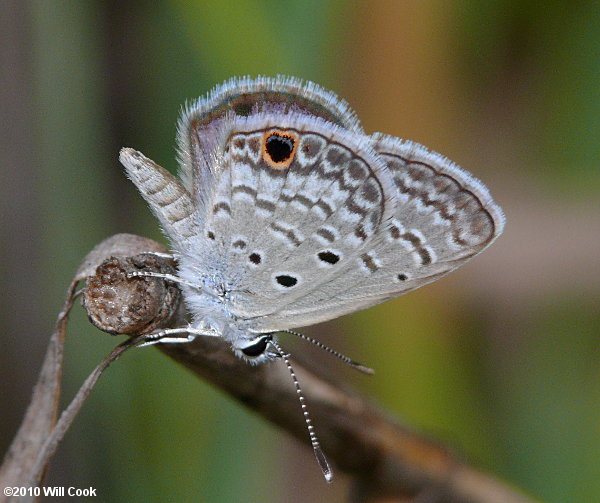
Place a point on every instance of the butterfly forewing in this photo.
(439, 198)
(442, 218)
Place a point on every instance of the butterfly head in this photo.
(256, 350)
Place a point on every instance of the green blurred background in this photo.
(500, 360)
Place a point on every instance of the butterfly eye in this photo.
(257, 348)
(279, 149)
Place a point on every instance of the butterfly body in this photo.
(287, 214)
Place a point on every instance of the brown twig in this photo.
(41, 414)
(387, 461)
(68, 415)
(25, 462)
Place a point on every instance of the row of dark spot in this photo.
(285, 280)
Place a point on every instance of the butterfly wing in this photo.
(243, 97)
(180, 203)
(442, 218)
(292, 215)
(297, 199)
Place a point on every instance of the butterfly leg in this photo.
(169, 277)
(171, 335)
(167, 256)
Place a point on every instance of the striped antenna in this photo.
(319, 454)
(344, 358)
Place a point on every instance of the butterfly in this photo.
(286, 214)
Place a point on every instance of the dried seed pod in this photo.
(119, 245)
(118, 304)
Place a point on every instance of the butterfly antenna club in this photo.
(348, 361)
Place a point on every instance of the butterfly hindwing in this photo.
(297, 200)
(243, 97)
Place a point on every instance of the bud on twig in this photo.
(119, 304)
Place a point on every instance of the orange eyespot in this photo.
(279, 148)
